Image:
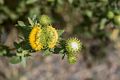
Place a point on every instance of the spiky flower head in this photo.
(34, 38)
(41, 38)
(73, 45)
(52, 37)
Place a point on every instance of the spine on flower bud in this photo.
(71, 58)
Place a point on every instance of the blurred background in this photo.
(95, 22)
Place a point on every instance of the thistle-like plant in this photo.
(40, 35)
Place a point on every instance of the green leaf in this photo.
(21, 23)
(22, 52)
(60, 32)
(89, 13)
(30, 1)
(62, 51)
(2, 52)
(51, 50)
(46, 52)
(30, 21)
(25, 52)
(102, 23)
(17, 45)
(57, 50)
(15, 60)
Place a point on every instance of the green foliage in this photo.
(24, 46)
(60, 32)
(117, 20)
(31, 1)
(15, 60)
(110, 15)
(87, 19)
(3, 50)
(47, 52)
(20, 23)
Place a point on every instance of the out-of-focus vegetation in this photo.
(95, 22)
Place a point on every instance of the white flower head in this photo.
(73, 45)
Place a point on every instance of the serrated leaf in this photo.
(21, 23)
(60, 32)
(15, 60)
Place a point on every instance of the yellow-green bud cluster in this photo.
(45, 20)
(73, 46)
